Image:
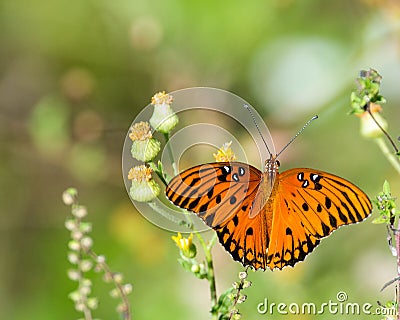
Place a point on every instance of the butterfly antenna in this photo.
(297, 134)
(258, 129)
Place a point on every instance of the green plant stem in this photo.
(170, 217)
(237, 296)
(206, 248)
(210, 271)
(383, 130)
(159, 173)
(392, 158)
(86, 311)
(171, 153)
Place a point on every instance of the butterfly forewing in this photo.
(214, 191)
(309, 205)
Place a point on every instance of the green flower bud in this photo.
(92, 303)
(145, 150)
(163, 119)
(69, 196)
(195, 268)
(369, 83)
(143, 188)
(144, 146)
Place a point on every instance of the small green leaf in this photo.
(380, 220)
(386, 188)
(185, 264)
(223, 303)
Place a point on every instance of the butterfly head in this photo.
(272, 165)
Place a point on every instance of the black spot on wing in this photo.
(210, 193)
(315, 177)
(210, 218)
(235, 220)
(305, 206)
(204, 207)
(300, 176)
(194, 203)
(333, 221)
(317, 186)
(328, 203)
(325, 229)
(342, 216)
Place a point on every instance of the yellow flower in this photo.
(225, 153)
(369, 128)
(143, 188)
(144, 146)
(163, 119)
(186, 245)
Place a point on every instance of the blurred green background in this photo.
(73, 76)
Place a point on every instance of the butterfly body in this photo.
(268, 219)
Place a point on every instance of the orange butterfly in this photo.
(305, 205)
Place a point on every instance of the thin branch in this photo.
(388, 154)
(239, 289)
(387, 284)
(383, 130)
(171, 153)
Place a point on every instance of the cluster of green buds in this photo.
(386, 205)
(145, 148)
(366, 104)
(228, 301)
